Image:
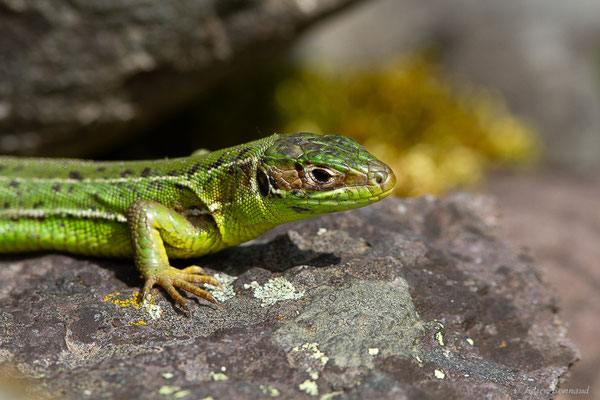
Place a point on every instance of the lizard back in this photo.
(79, 205)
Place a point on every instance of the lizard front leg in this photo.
(153, 225)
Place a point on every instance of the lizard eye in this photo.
(320, 175)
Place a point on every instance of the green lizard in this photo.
(183, 207)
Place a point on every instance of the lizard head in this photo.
(313, 174)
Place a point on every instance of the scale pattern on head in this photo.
(314, 174)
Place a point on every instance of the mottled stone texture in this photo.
(79, 75)
(404, 299)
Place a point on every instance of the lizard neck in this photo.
(230, 192)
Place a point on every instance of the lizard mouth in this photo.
(359, 201)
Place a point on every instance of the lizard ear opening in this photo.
(263, 183)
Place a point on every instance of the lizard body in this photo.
(183, 207)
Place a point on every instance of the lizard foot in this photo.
(170, 278)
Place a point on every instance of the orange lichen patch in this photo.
(133, 300)
(116, 299)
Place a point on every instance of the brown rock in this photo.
(415, 298)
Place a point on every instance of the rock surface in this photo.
(554, 216)
(403, 299)
(77, 76)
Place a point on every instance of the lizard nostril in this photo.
(378, 177)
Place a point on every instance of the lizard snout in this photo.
(381, 175)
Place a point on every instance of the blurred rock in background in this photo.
(78, 77)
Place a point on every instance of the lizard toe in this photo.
(195, 290)
(150, 282)
(193, 269)
(167, 284)
(197, 274)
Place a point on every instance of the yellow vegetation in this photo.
(434, 136)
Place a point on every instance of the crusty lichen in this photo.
(276, 289)
(225, 293)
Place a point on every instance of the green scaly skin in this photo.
(184, 207)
